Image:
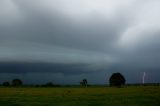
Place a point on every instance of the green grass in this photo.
(100, 96)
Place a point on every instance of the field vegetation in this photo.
(80, 96)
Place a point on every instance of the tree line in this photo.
(116, 79)
(14, 82)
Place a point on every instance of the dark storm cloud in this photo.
(24, 67)
(83, 36)
(93, 32)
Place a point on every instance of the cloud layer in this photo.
(100, 36)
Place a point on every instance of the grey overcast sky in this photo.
(66, 40)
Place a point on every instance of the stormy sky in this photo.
(65, 41)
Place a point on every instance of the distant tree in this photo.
(6, 83)
(17, 82)
(49, 84)
(117, 79)
(37, 85)
(84, 82)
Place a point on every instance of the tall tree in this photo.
(17, 82)
(117, 79)
(84, 82)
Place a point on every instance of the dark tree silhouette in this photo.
(49, 84)
(117, 79)
(17, 82)
(6, 84)
(84, 82)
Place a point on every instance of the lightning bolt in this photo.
(143, 78)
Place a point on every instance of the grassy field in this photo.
(100, 96)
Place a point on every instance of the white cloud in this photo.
(144, 26)
(9, 13)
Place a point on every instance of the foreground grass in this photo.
(104, 96)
